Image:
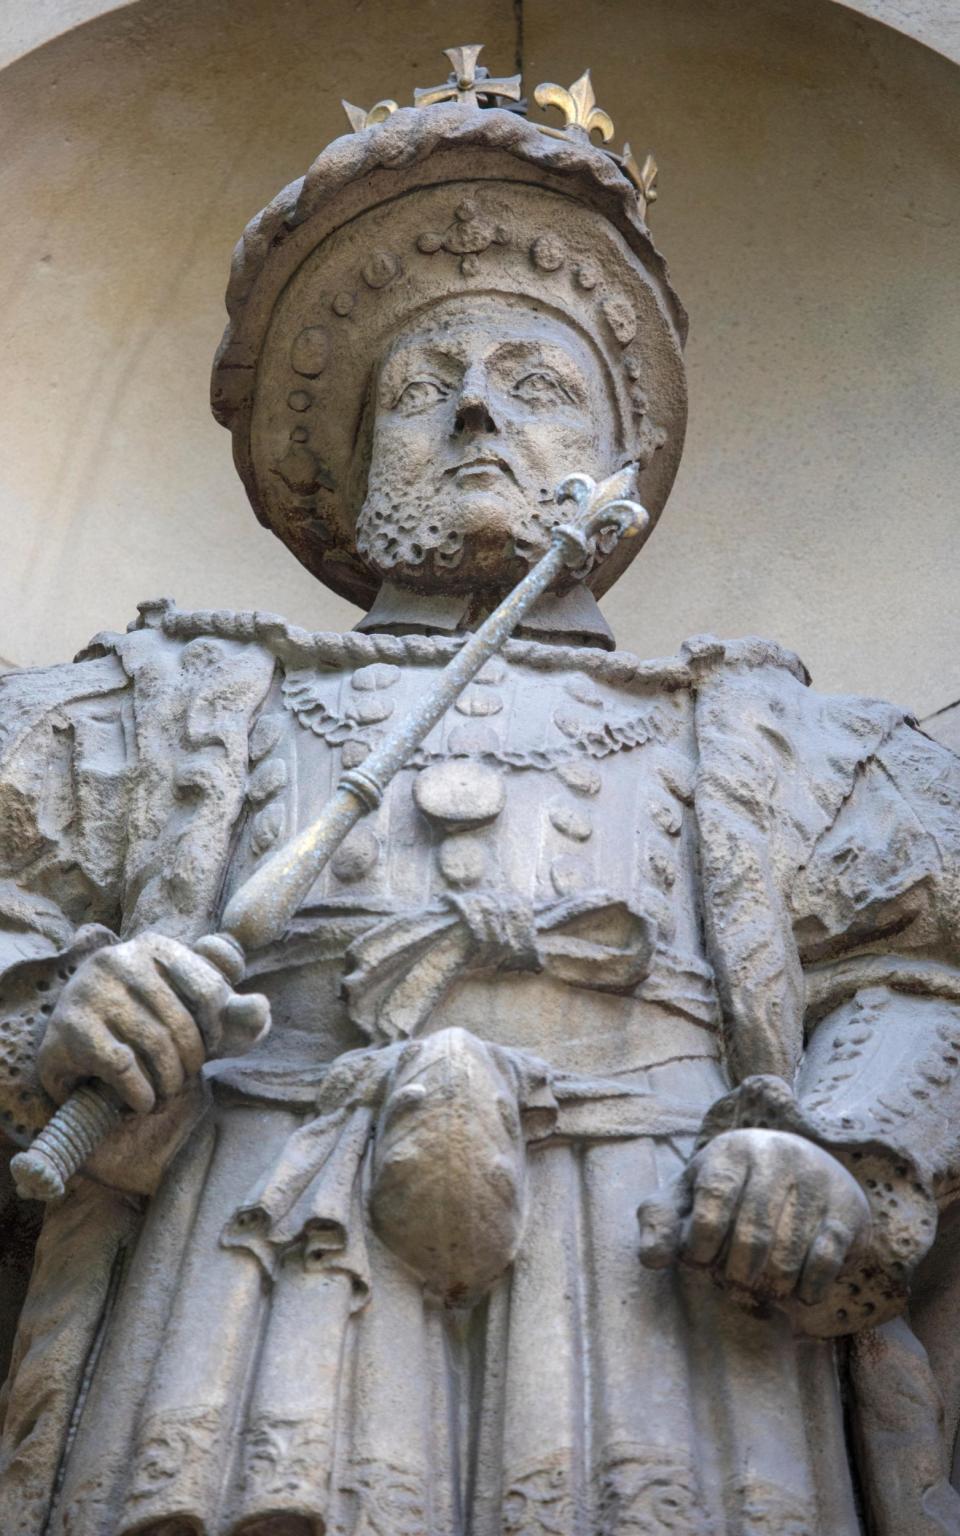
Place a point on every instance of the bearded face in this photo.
(476, 418)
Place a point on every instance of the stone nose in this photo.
(473, 407)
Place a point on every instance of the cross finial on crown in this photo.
(468, 81)
(470, 84)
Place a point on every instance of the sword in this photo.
(260, 911)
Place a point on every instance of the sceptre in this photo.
(259, 912)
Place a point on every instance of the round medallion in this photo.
(459, 794)
(380, 269)
(579, 777)
(310, 351)
(369, 710)
(479, 701)
(463, 861)
(571, 822)
(356, 855)
(568, 874)
(377, 676)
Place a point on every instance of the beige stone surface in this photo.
(944, 727)
(933, 22)
(811, 188)
(517, 1129)
(24, 27)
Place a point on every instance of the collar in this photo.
(570, 618)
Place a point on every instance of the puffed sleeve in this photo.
(831, 866)
(877, 919)
(66, 748)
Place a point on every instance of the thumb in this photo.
(246, 1019)
(661, 1217)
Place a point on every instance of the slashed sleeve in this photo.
(66, 749)
(831, 860)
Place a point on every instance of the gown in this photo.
(389, 1283)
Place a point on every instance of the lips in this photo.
(481, 462)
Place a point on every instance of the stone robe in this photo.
(380, 1277)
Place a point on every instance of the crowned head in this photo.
(452, 311)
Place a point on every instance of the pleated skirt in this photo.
(583, 1396)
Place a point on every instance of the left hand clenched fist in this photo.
(766, 1211)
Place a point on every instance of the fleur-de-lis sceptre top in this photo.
(258, 913)
(468, 81)
(581, 115)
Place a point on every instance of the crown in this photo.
(444, 200)
(470, 84)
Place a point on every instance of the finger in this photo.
(752, 1234)
(824, 1261)
(717, 1190)
(246, 1019)
(56, 1069)
(789, 1248)
(151, 1043)
(660, 1221)
(86, 1048)
(198, 984)
(160, 1009)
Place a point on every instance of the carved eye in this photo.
(541, 389)
(420, 393)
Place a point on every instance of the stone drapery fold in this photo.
(398, 970)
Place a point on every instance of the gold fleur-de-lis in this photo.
(468, 81)
(359, 119)
(581, 114)
(644, 177)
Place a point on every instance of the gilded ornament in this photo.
(359, 119)
(644, 177)
(468, 82)
(517, 1032)
(578, 105)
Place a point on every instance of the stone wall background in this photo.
(810, 205)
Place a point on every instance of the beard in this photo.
(453, 540)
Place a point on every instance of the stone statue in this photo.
(676, 939)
